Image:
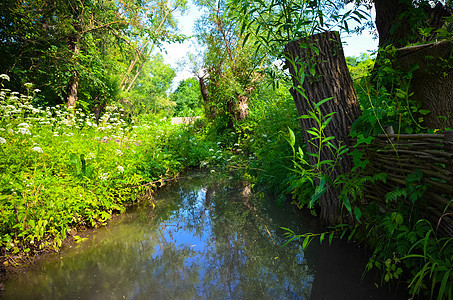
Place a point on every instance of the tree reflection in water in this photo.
(207, 238)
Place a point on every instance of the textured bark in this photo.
(332, 79)
(209, 110)
(387, 12)
(395, 21)
(432, 82)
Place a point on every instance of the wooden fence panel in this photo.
(429, 155)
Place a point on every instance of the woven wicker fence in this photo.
(405, 154)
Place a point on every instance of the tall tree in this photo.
(229, 73)
(68, 47)
(319, 72)
(150, 93)
(322, 87)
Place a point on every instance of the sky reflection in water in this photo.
(207, 239)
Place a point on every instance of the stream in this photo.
(207, 238)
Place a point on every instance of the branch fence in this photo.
(429, 155)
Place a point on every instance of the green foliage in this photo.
(274, 23)
(232, 67)
(187, 97)
(263, 138)
(63, 170)
(58, 45)
(301, 181)
(404, 244)
(150, 92)
(386, 101)
(360, 66)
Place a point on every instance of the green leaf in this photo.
(319, 191)
(305, 243)
(357, 213)
(347, 204)
(292, 137)
(424, 111)
(313, 133)
(331, 237)
(323, 101)
(440, 296)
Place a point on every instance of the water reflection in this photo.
(205, 239)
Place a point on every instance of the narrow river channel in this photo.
(205, 239)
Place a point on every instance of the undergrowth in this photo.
(64, 170)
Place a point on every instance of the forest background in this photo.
(86, 105)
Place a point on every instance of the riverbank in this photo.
(65, 171)
(208, 236)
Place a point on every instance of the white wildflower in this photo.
(37, 91)
(120, 169)
(104, 176)
(90, 155)
(24, 131)
(211, 149)
(25, 125)
(118, 152)
(2, 140)
(4, 77)
(37, 149)
(28, 85)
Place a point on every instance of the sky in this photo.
(175, 54)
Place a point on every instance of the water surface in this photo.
(206, 239)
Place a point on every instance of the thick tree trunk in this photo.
(397, 21)
(324, 53)
(237, 109)
(432, 82)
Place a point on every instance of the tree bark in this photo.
(431, 83)
(397, 21)
(202, 75)
(324, 53)
(73, 86)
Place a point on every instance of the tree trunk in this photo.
(432, 82)
(397, 21)
(324, 53)
(136, 76)
(209, 110)
(73, 86)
